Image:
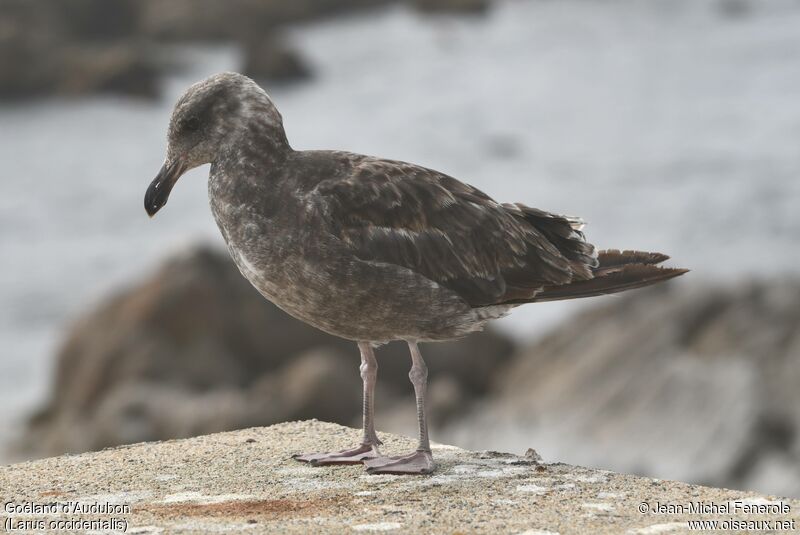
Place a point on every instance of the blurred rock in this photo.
(268, 59)
(195, 349)
(452, 6)
(122, 68)
(98, 20)
(204, 20)
(41, 55)
(315, 385)
(684, 381)
(52, 47)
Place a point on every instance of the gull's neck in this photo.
(256, 137)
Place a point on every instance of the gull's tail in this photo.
(616, 271)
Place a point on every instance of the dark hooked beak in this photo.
(158, 192)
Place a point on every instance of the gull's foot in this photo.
(354, 456)
(419, 462)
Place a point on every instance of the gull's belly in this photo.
(311, 293)
(318, 281)
(356, 300)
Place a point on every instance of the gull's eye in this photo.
(191, 124)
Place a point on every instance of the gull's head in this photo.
(209, 118)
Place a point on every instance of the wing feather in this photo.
(452, 233)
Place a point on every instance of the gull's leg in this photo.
(368, 449)
(421, 460)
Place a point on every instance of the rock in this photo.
(195, 349)
(478, 7)
(236, 20)
(75, 47)
(691, 382)
(268, 59)
(121, 68)
(40, 54)
(533, 456)
(245, 481)
(315, 385)
(98, 20)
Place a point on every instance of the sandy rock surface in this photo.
(245, 481)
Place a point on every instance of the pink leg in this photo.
(421, 460)
(368, 449)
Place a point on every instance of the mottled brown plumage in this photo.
(453, 234)
(375, 250)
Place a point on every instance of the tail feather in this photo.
(615, 258)
(610, 280)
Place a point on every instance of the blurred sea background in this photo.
(669, 125)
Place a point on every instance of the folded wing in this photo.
(456, 235)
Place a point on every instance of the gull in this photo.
(374, 250)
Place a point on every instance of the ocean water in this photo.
(668, 125)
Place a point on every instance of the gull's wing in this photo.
(489, 253)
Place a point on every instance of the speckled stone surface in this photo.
(245, 481)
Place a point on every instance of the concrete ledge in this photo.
(245, 481)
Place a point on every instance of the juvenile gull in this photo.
(375, 250)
